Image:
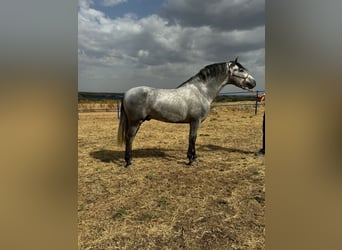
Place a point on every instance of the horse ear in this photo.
(236, 59)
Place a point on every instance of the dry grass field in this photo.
(160, 202)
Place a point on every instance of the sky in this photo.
(162, 43)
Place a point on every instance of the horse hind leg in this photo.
(131, 133)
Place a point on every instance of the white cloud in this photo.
(110, 3)
(143, 53)
(85, 3)
(220, 14)
(107, 3)
(123, 52)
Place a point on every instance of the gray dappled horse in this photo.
(188, 103)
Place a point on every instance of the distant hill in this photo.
(100, 96)
(234, 98)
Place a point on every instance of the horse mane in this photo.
(207, 72)
(240, 66)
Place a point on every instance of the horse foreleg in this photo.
(192, 141)
(131, 132)
(128, 151)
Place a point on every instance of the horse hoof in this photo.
(191, 163)
(261, 152)
(128, 164)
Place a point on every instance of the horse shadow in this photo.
(117, 157)
(211, 147)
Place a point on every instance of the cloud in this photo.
(111, 3)
(220, 14)
(116, 54)
(106, 3)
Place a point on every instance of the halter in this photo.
(231, 73)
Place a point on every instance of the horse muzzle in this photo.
(250, 83)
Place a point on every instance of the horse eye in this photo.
(241, 70)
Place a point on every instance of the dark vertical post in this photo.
(256, 102)
(118, 108)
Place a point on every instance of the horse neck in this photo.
(209, 81)
(211, 87)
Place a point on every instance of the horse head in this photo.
(239, 75)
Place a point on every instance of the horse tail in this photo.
(122, 131)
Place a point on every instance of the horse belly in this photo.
(170, 111)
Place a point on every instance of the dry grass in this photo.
(161, 203)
